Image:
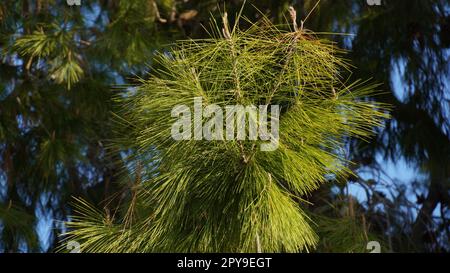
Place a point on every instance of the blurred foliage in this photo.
(17, 227)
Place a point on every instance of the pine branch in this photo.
(214, 196)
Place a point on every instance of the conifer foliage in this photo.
(229, 196)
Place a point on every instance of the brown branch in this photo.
(293, 14)
(157, 14)
(225, 29)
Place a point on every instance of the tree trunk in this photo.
(424, 217)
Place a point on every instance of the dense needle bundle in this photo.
(228, 195)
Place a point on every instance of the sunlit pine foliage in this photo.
(229, 196)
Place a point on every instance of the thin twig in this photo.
(227, 35)
(289, 54)
(293, 14)
(258, 244)
(158, 16)
(307, 16)
(226, 27)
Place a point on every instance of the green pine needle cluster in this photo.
(17, 223)
(131, 35)
(57, 45)
(345, 235)
(228, 196)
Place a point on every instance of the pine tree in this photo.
(57, 66)
(229, 196)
